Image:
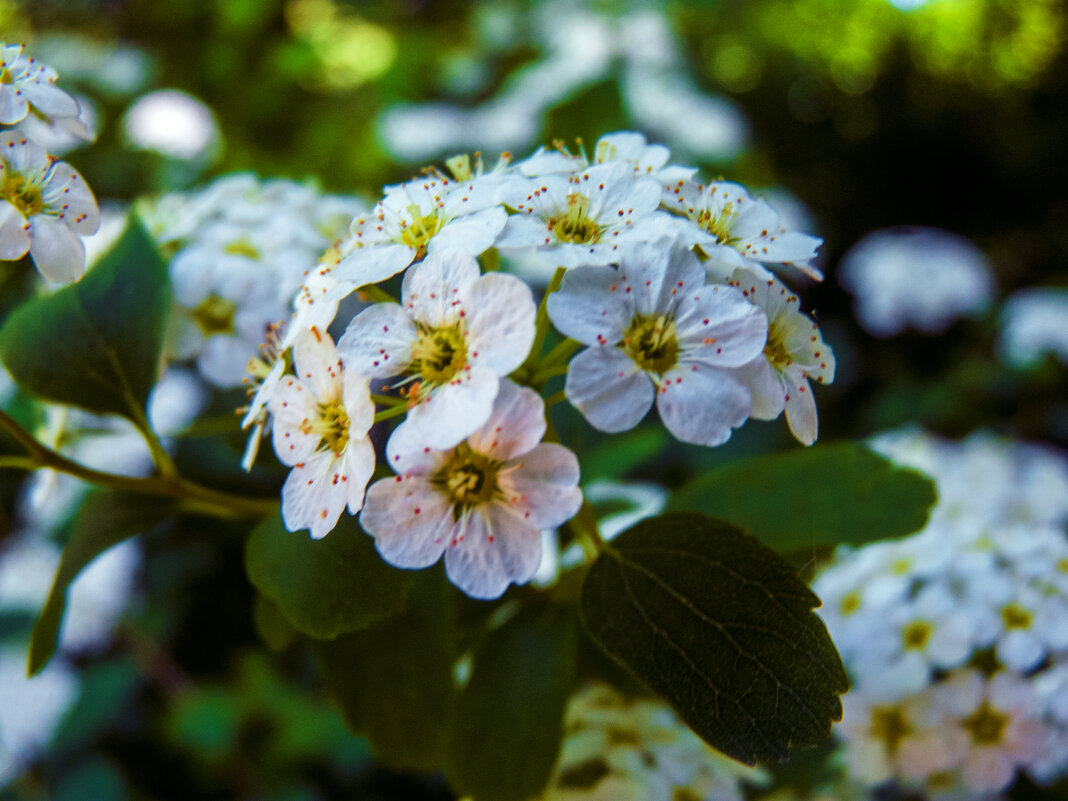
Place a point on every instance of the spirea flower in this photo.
(482, 503)
(454, 335)
(45, 209)
(1032, 325)
(26, 83)
(321, 418)
(795, 352)
(656, 330)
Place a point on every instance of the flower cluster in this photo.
(957, 638)
(45, 205)
(662, 283)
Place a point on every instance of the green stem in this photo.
(389, 401)
(396, 411)
(376, 294)
(555, 398)
(541, 324)
(561, 353)
(584, 526)
(545, 374)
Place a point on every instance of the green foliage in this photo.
(95, 343)
(326, 587)
(107, 691)
(508, 722)
(722, 628)
(393, 681)
(271, 624)
(841, 493)
(105, 519)
(616, 456)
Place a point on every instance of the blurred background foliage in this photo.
(854, 115)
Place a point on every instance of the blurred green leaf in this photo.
(826, 495)
(206, 721)
(508, 723)
(94, 778)
(271, 624)
(615, 457)
(107, 689)
(105, 520)
(95, 343)
(393, 681)
(722, 628)
(325, 587)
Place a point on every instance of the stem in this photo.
(376, 294)
(555, 398)
(396, 411)
(541, 325)
(546, 373)
(561, 353)
(584, 526)
(388, 401)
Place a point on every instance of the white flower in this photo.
(264, 376)
(321, 418)
(417, 218)
(455, 334)
(585, 218)
(1032, 325)
(173, 123)
(921, 278)
(795, 352)
(45, 208)
(735, 230)
(645, 159)
(656, 329)
(25, 82)
(482, 503)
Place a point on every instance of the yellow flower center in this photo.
(214, 315)
(23, 194)
(418, 233)
(719, 226)
(986, 725)
(1015, 616)
(652, 342)
(889, 725)
(333, 427)
(6, 76)
(775, 349)
(916, 635)
(439, 353)
(850, 603)
(575, 225)
(242, 247)
(468, 479)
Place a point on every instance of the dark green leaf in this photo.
(95, 343)
(271, 624)
(107, 690)
(508, 723)
(393, 682)
(324, 587)
(616, 456)
(826, 495)
(104, 520)
(722, 628)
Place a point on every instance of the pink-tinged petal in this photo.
(541, 487)
(57, 251)
(433, 290)
(13, 107)
(224, 359)
(66, 195)
(660, 275)
(314, 496)
(454, 411)
(14, 232)
(409, 455)
(472, 233)
(524, 231)
(291, 406)
(358, 465)
(718, 327)
(515, 426)
(592, 306)
(373, 263)
(800, 408)
(378, 341)
(987, 770)
(609, 389)
(50, 99)
(765, 387)
(499, 310)
(490, 551)
(411, 522)
(316, 363)
(701, 405)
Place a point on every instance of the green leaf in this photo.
(722, 628)
(393, 682)
(271, 624)
(508, 723)
(616, 456)
(324, 587)
(830, 494)
(105, 520)
(95, 343)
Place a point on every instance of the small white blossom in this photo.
(45, 209)
(795, 352)
(26, 83)
(482, 504)
(1033, 324)
(454, 334)
(175, 124)
(656, 330)
(321, 419)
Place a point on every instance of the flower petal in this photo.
(472, 233)
(454, 411)
(410, 521)
(490, 551)
(500, 314)
(701, 405)
(291, 405)
(433, 290)
(14, 232)
(592, 306)
(57, 251)
(800, 408)
(515, 426)
(313, 496)
(66, 194)
(378, 341)
(542, 489)
(316, 363)
(608, 388)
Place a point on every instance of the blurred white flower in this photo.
(173, 123)
(1034, 322)
(922, 278)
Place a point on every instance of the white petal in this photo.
(453, 411)
(523, 231)
(660, 275)
(432, 290)
(543, 490)
(13, 107)
(472, 233)
(592, 306)
(800, 408)
(374, 263)
(57, 251)
(515, 426)
(316, 363)
(701, 405)
(66, 194)
(356, 398)
(313, 496)
(358, 466)
(409, 455)
(491, 551)
(765, 387)
(410, 521)
(291, 404)
(50, 99)
(378, 341)
(14, 233)
(717, 326)
(608, 388)
(500, 314)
